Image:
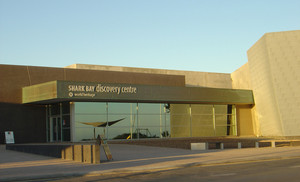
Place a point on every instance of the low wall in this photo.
(87, 153)
(213, 142)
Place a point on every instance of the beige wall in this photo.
(196, 120)
(272, 72)
(241, 78)
(245, 121)
(284, 63)
(246, 115)
(192, 78)
(180, 124)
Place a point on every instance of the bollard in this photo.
(222, 146)
(273, 144)
(219, 145)
(199, 146)
(239, 145)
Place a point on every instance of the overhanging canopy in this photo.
(59, 91)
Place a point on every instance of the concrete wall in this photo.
(192, 78)
(263, 89)
(272, 72)
(26, 121)
(245, 121)
(87, 153)
(284, 62)
(246, 115)
(241, 78)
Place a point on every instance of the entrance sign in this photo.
(61, 91)
(9, 137)
(90, 90)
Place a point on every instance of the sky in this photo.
(193, 35)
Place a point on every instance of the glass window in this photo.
(151, 120)
(58, 123)
(90, 108)
(225, 124)
(125, 113)
(221, 120)
(66, 128)
(86, 114)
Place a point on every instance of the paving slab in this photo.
(130, 159)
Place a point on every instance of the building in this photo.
(78, 102)
(272, 72)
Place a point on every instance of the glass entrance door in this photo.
(55, 129)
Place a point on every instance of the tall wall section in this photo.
(283, 50)
(272, 72)
(246, 115)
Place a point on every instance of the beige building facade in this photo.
(187, 119)
(272, 72)
(259, 99)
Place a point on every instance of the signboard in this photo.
(107, 151)
(105, 147)
(93, 89)
(59, 91)
(9, 137)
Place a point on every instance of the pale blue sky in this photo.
(196, 35)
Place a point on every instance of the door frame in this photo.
(55, 129)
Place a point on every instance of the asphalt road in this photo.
(264, 170)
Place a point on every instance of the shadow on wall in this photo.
(26, 121)
(87, 153)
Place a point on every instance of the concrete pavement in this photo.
(130, 159)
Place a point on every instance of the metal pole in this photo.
(234, 119)
(137, 118)
(160, 122)
(191, 125)
(106, 120)
(214, 119)
(47, 123)
(61, 122)
(50, 125)
(165, 113)
(131, 121)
